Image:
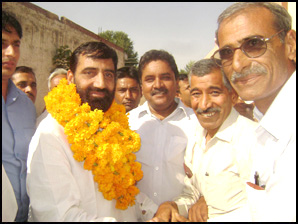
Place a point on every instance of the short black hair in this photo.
(154, 55)
(8, 20)
(128, 72)
(182, 76)
(93, 49)
(24, 69)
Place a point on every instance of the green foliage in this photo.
(187, 67)
(121, 39)
(62, 57)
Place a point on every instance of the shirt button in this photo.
(156, 168)
(155, 194)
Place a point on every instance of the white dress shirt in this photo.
(275, 159)
(9, 202)
(220, 168)
(163, 144)
(59, 187)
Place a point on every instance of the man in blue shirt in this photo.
(18, 117)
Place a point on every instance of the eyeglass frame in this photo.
(265, 40)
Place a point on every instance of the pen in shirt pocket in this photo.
(257, 180)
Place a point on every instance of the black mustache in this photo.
(211, 109)
(30, 94)
(158, 91)
(98, 90)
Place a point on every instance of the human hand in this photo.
(176, 218)
(199, 211)
(167, 212)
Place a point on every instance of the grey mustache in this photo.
(254, 69)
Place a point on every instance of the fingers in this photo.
(179, 218)
(195, 216)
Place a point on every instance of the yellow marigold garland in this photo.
(102, 140)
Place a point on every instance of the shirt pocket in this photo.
(225, 191)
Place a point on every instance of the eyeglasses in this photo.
(252, 47)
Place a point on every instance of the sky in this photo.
(184, 29)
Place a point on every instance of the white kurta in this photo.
(59, 188)
(220, 168)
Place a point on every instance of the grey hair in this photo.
(206, 66)
(282, 19)
(56, 72)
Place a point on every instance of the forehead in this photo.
(157, 67)
(183, 82)
(209, 80)
(85, 61)
(23, 76)
(246, 23)
(127, 82)
(12, 35)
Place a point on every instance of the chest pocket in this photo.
(225, 191)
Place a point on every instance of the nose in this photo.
(239, 60)
(28, 89)
(205, 102)
(9, 51)
(157, 83)
(99, 81)
(128, 94)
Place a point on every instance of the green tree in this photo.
(121, 39)
(62, 57)
(187, 67)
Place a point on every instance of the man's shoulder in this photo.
(237, 124)
(135, 113)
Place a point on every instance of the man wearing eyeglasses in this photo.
(257, 49)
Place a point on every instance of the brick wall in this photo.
(43, 33)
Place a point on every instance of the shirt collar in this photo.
(226, 130)
(144, 109)
(12, 92)
(257, 114)
(280, 117)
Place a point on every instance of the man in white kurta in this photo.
(59, 187)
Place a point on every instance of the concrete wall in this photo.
(43, 33)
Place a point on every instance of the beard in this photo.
(100, 103)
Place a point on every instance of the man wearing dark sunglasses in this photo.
(257, 49)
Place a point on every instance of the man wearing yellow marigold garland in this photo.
(79, 168)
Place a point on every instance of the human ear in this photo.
(290, 43)
(234, 96)
(70, 77)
